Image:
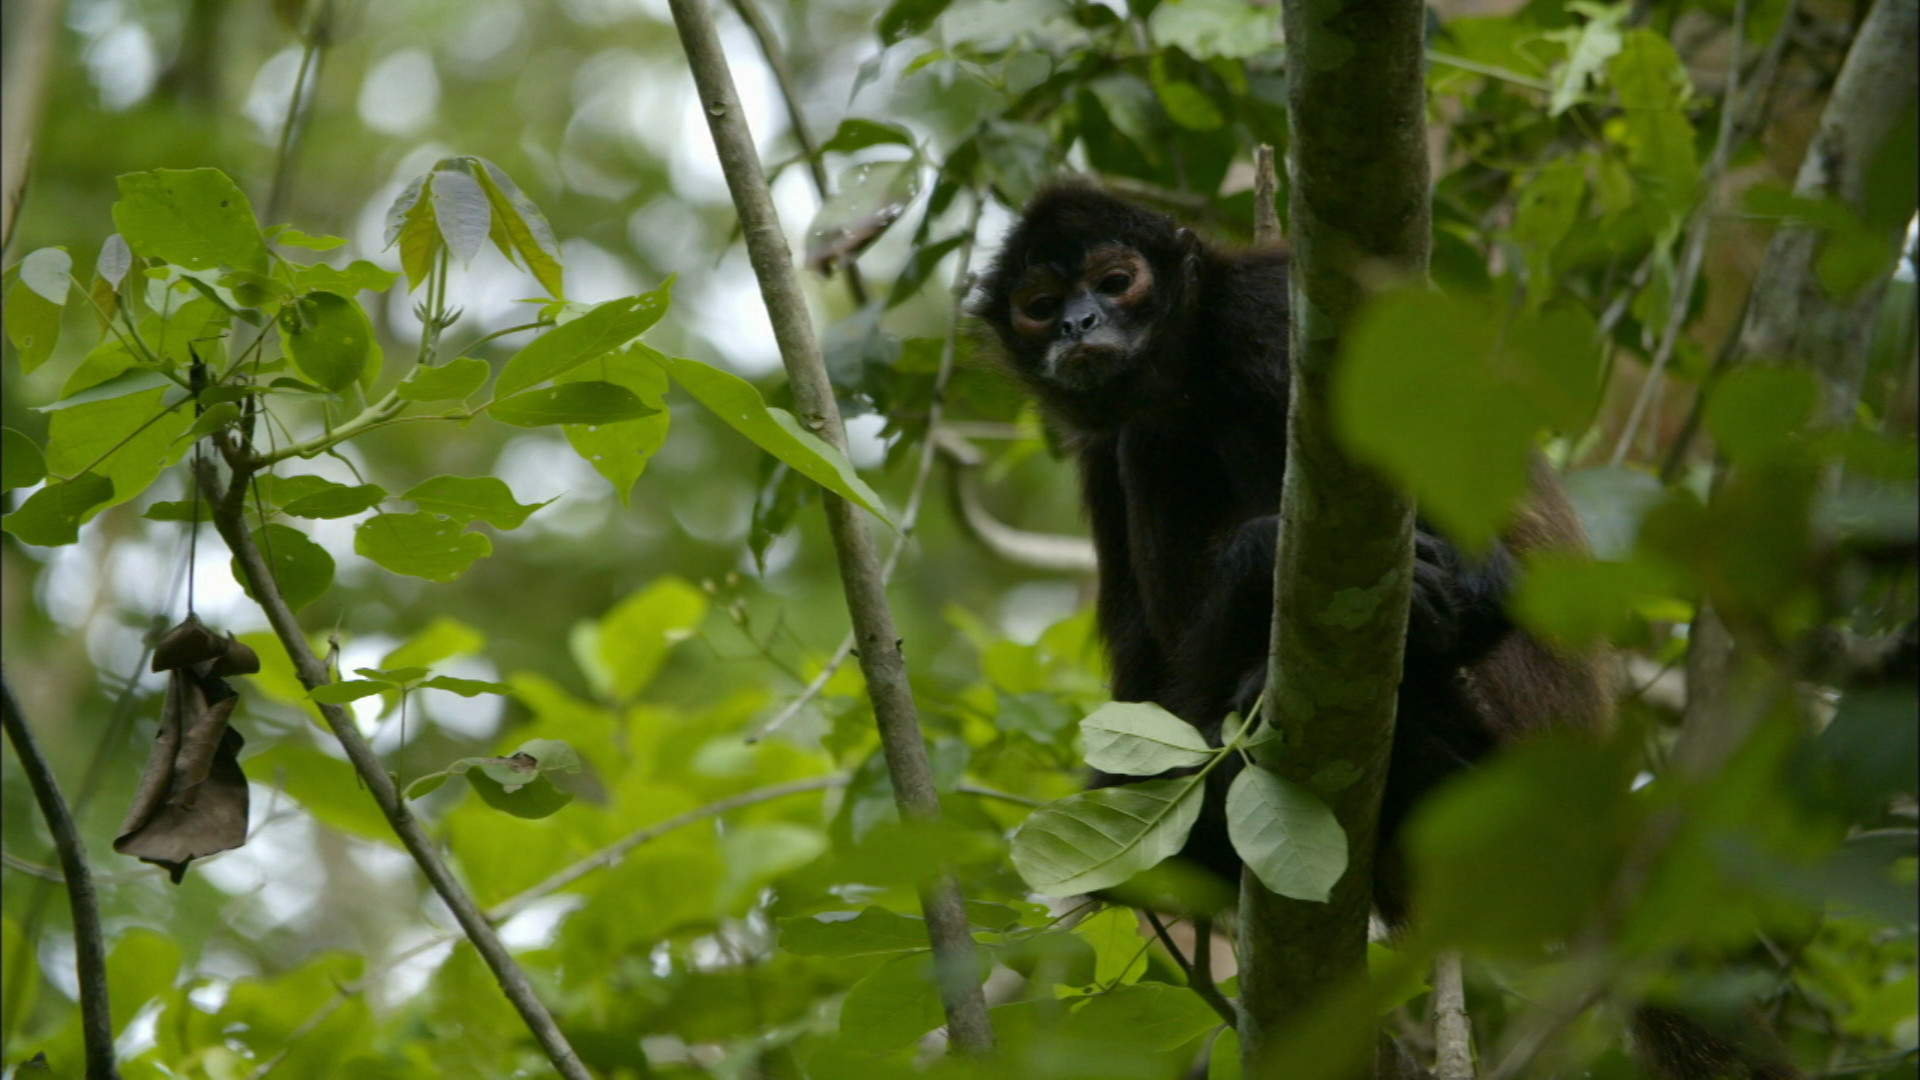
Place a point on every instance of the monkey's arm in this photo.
(1457, 615)
(1139, 668)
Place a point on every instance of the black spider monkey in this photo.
(1161, 362)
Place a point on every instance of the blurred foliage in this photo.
(623, 579)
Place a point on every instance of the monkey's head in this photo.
(1085, 289)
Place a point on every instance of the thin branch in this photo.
(1201, 977)
(30, 56)
(89, 952)
(306, 82)
(1452, 1030)
(1696, 244)
(910, 517)
(228, 519)
(797, 119)
(1034, 550)
(616, 851)
(881, 659)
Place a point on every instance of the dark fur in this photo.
(1181, 457)
(1181, 448)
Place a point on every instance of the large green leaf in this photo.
(21, 462)
(518, 228)
(421, 545)
(452, 381)
(51, 516)
(328, 338)
(620, 451)
(127, 439)
(895, 1004)
(632, 639)
(32, 324)
(735, 401)
(47, 272)
(576, 403)
(318, 497)
(874, 930)
(1285, 833)
(472, 498)
(598, 332)
(196, 218)
(1102, 837)
(302, 569)
(1139, 738)
(460, 209)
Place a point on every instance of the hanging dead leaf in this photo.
(192, 798)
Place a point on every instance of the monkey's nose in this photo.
(1075, 325)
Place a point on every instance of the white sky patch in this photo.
(272, 88)
(400, 93)
(122, 64)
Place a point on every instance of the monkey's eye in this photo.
(1115, 284)
(1042, 308)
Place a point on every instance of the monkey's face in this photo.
(1081, 322)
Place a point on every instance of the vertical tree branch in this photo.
(1266, 189)
(229, 520)
(1452, 1032)
(1358, 212)
(89, 951)
(30, 33)
(881, 660)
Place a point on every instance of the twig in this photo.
(1452, 1030)
(1051, 552)
(909, 517)
(1696, 244)
(797, 120)
(89, 952)
(881, 659)
(31, 37)
(229, 521)
(1201, 977)
(1266, 185)
(319, 35)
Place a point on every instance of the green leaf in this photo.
(1589, 47)
(32, 324)
(318, 497)
(51, 516)
(1522, 850)
(21, 462)
(140, 968)
(600, 331)
(1102, 837)
(873, 931)
(420, 545)
(183, 510)
(1139, 738)
(325, 787)
(1205, 28)
(633, 638)
(128, 440)
(620, 451)
(288, 236)
(1288, 837)
(587, 403)
(196, 218)
(1652, 86)
(340, 693)
(359, 275)
(1757, 413)
(893, 1005)
(758, 853)
(472, 498)
(519, 783)
(1447, 394)
(328, 338)
(1576, 601)
(1146, 1016)
(410, 224)
(905, 18)
(132, 381)
(219, 415)
(460, 209)
(47, 272)
(302, 568)
(442, 638)
(735, 401)
(114, 261)
(519, 228)
(453, 381)
(855, 133)
(464, 687)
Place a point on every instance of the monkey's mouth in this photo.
(1087, 360)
